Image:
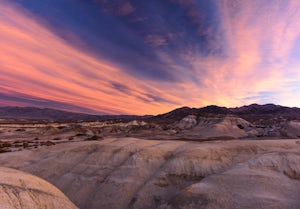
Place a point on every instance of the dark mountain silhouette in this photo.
(265, 109)
(57, 115)
(250, 112)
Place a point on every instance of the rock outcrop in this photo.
(134, 173)
(24, 191)
(229, 127)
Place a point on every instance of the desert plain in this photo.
(195, 162)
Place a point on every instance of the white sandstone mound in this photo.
(187, 122)
(291, 129)
(269, 180)
(19, 190)
(135, 123)
(132, 173)
(229, 127)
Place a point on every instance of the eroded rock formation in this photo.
(24, 191)
(134, 173)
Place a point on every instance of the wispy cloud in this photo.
(243, 52)
(160, 40)
(35, 62)
(258, 40)
(117, 7)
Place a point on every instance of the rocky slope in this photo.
(132, 173)
(24, 191)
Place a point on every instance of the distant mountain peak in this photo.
(252, 109)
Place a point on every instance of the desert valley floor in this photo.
(185, 159)
(116, 172)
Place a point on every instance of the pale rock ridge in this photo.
(133, 173)
(229, 127)
(24, 191)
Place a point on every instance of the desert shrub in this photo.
(61, 127)
(56, 139)
(4, 150)
(25, 144)
(240, 126)
(18, 145)
(17, 142)
(80, 134)
(6, 144)
(20, 130)
(47, 143)
(71, 138)
(94, 138)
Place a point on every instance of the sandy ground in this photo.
(117, 173)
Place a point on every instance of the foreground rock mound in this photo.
(132, 173)
(24, 191)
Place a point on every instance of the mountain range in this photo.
(249, 112)
(57, 115)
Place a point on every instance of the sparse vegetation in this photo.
(5, 144)
(4, 150)
(94, 138)
(80, 134)
(25, 144)
(16, 142)
(20, 130)
(61, 127)
(47, 143)
(18, 145)
(240, 126)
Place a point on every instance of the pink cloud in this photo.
(258, 39)
(36, 62)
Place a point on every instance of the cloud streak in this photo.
(245, 52)
(35, 62)
(258, 44)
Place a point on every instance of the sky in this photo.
(148, 57)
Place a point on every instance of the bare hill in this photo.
(133, 173)
(253, 112)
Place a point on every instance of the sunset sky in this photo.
(148, 56)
